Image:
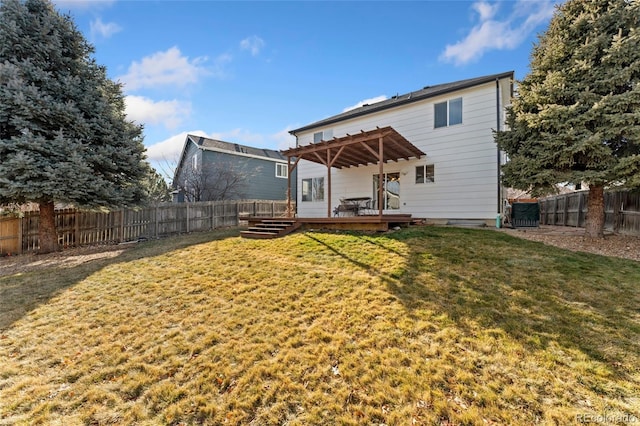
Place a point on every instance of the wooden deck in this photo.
(355, 223)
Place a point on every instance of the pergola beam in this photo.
(376, 146)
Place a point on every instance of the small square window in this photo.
(282, 170)
(425, 173)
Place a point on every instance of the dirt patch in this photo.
(624, 246)
(67, 258)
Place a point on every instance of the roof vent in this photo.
(364, 105)
(425, 87)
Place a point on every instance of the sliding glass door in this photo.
(390, 191)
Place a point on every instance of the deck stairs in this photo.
(271, 228)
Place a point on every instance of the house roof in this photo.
(395, 101)
(209, 144)
(358, 150)
(234, 148)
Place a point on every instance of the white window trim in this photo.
(324, 135)
(448, 114)
(315, 196)
(424, 174)
(282, 170)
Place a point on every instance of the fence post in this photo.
(580, 210)
(76, 228)
(187, 215)
(213, 215)
(156, 221)
(617, 217)
(20, 231)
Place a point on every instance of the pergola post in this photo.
(380, 174)
(328, 183)
(289, 212)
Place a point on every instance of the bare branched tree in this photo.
(214, 182)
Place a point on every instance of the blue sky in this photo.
(248, 72)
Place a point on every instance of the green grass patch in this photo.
(421, 326)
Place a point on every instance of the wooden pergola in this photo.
(376, 146)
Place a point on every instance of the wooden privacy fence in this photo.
(77, 228)
(622, 210)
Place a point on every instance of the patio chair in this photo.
(367, 209)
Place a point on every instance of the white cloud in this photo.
(495, 34)
(104, 30)
(485, 10)
(253, 44)
(162, 69)
(366, 102)
(283, 139)
(218, 70)
(146, 111)
(168, 151)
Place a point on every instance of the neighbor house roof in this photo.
(234, 148)
(397, 100)
(208, 144)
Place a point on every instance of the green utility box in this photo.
(525, 215)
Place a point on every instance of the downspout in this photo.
(499, 188)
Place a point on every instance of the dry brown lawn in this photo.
(421, 326)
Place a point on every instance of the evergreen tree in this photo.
(157, 188)
(64, 136)
(577, 114)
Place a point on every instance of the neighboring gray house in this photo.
(210, 169)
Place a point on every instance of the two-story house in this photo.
(211, 169)
(429, 153)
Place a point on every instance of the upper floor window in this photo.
(447, 113)
(195, 161)
(322, 136)
(282, 170)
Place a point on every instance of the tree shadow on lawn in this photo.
(535, 293)
(21, 293)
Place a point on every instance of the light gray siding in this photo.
(464, 156)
